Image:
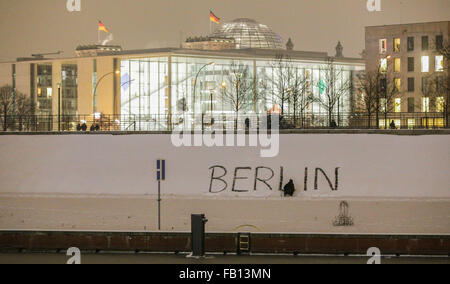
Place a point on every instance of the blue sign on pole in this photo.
(161, 170)
(160, 176)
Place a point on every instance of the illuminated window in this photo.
(397, 65)
(308, 73)
(363, 102)
(398, 84)
(383, 104)
(383, 65)
(398, 105)
(396, 44)
(425, 64)
(425, 104)
(440, 104)
(383, 46)
(411, 123)
(433, 122)
(386, 124)
(44, 89)
(439, 63)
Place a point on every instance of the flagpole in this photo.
(98, 34)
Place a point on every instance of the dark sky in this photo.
(38, 26)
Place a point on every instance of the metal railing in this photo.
(206, 122)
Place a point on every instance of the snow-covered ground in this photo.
(393, 184)
(132, 213)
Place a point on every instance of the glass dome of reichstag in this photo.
(249, 34)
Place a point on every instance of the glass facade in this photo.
(197, 88)
(145, 92)
(211, 84)
(44, 90)
(69, 94)
(94, 85)
(248, 33)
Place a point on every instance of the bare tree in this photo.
(443, 82)
(436, 88)
(445, 50)
(6, 104)
(430, 93)
(333, 86)
(288, 82)
(24, 108)
(380, 92)
(282, 81)
(368, 86)
(389, 93)
(298, 97)
(239, 91)
(15, 105)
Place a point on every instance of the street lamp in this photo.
(59, 107)
(211, 105)
(195, 85)
(224, 89)
(117, 72)
(384, 89)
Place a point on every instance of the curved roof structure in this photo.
(249, 34)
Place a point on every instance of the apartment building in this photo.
(409, 53)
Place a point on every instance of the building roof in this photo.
(249, 33)
(249, 53)
(244, 54)
(409, 24)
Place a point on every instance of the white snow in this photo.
(393, 184)
(369, 166)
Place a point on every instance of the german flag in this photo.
(102, 27)
(213, 18)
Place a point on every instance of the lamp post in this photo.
(224, 89)
(59, 107)
(388, 58)
(211, 100)
(117, 72)
(195, 85)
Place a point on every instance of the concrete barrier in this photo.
(226, 243)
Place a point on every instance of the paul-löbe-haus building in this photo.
(162, 89)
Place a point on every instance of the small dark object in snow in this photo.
(289, 188)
